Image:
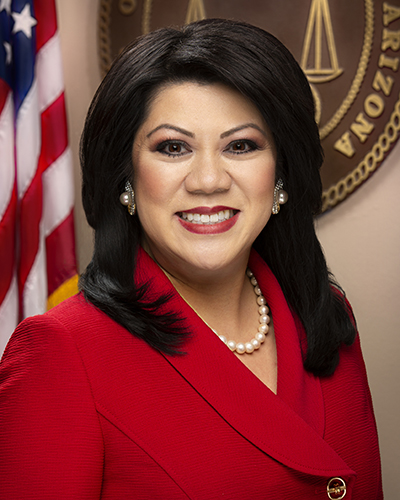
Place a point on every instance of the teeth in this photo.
(207, 219)
(214, 218)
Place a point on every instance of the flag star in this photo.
(5, 5)
(24, 21)
(7, 47)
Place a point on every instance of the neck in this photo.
(224, 300)
(198, 285)
(199, 281)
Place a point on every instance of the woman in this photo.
(200, 159)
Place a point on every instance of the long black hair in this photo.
(256, 64)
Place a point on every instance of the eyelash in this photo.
(170, 142)
(252, 146)
(247, 142)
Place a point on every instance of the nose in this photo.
(208, 174)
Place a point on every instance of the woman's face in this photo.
(204, 163)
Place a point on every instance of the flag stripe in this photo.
(49, 72)
(58, 192)
(54, 133)
(29, 233)
(8, 196)
(34, 298)
(45, 11)
(7, 245)
(60, 245)
(7, 168)
(8, 313)
(28, 138)
(4, 94)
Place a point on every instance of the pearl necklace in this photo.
(264, 319)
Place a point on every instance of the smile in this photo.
(205, 219)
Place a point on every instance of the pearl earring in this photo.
(128, 198)
(280, 197)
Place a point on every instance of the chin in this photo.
(207, 263)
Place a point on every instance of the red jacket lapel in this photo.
(288, 426)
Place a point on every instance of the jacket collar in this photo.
(288, 426)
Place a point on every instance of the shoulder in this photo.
(43, 341)
(49, 426)
(74, 337)
(74, 314)
(67, 322)
(59, 340)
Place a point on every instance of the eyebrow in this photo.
(222, 136)
(171, 127)
(241, 127)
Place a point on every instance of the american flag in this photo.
(37, 247)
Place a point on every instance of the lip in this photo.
(217, 228)
(208, 210)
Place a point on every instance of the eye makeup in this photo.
(172, 147)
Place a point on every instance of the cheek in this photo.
(157, 193)
(148, 200)
(261, 194)
(261, 186)
(148, 186)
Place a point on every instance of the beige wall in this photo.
(361, 238)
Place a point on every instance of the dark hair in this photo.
(256, 64)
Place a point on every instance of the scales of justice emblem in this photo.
(319, 24)
(319, 20)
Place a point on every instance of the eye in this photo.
(172, 148)
(242, 146)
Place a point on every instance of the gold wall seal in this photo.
(350, 52)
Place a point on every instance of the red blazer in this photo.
(88, 411)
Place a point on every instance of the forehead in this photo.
(197, 103)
